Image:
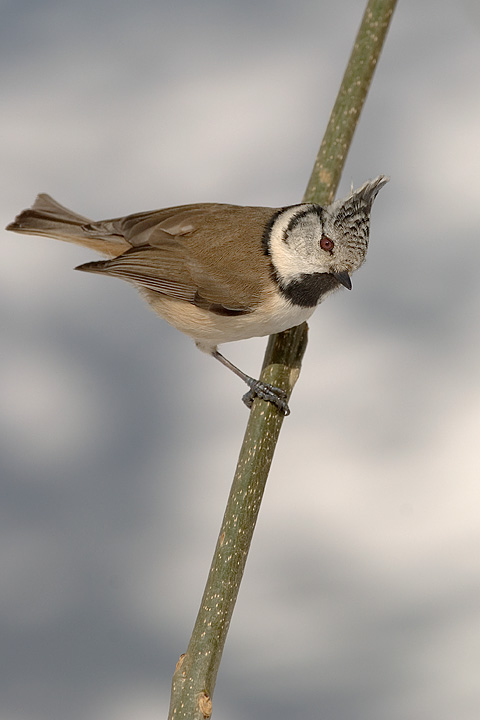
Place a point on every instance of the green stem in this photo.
(194, 678)
(344, 117)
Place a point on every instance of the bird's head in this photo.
(308, 241)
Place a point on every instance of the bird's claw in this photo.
(269, 393)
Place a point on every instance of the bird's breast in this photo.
(274, 314)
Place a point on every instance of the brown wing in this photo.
(162, 271)
(209, 254)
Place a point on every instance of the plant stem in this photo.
(344, 117)
(194, 678)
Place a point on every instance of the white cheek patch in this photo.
(294, 243)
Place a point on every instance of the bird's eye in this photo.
(326, 243)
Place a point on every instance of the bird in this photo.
(221, 272)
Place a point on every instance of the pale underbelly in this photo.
(209, 329)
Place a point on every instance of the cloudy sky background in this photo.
(118, 439)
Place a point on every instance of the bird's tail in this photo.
(47, 217)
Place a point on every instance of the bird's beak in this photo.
(344, 278)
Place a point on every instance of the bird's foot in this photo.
(266, 392)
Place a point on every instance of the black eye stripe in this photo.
(304, 212)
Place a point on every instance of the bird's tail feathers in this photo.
(47, 217)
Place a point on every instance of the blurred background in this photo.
(118, 439)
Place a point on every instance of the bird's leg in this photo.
(270, 393)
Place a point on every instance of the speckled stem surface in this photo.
(195, 675)
(351, 97)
